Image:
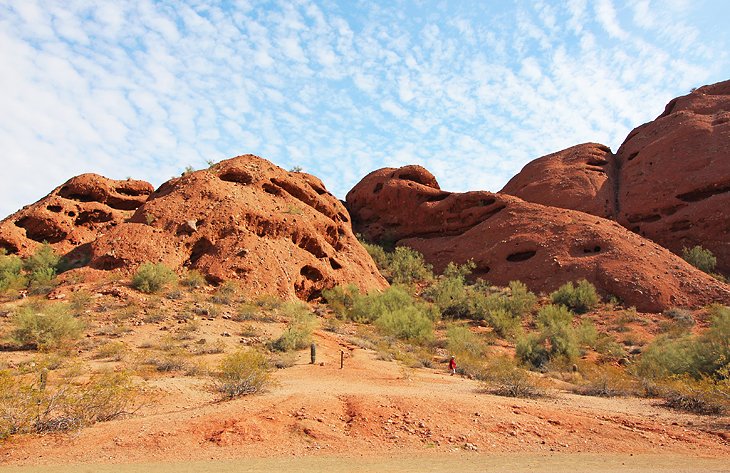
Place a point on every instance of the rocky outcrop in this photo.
(510, 239)
(669, 181)
(674, 179)
(73, 215)
(275, 231)
(581, 178)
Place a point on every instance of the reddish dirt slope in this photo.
(73, 214)
(510, 239)
(277, 232)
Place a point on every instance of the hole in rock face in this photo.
(704, 193)
(487, 202)
(521, 256)
(71, 213)
(335, 264)
(594, 249)
(40, 230)
(10, 248)
(378, 187)
(272, 189)
(200, 248)
(92, 216)
(438, 197)
(632, 156)
(131, 192)
(413, 177)
(54, 208)
(594, 161)
(311, 273)
(237, 176)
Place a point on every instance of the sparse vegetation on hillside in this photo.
(579, 298)
(298, 333)
(151, 277)
(242, 373)
(45, 326)
(700, 258)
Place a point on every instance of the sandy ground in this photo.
(379, 416)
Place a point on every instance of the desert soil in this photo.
(375, 415)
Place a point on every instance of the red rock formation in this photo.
(670, 179)
(580, 178)
(275, 231)
(73, 214)
(510, 239)
(674, 180)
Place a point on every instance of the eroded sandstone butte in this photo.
(510, 239)
(670, 179)
(245, 219)
(72, 215)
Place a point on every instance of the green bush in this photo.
(521, 301)
(10, 272)
(530, 349)
(298, 333)
(605, 381)
(700, 258)
(450, 292)
(701, 355)
(152, 277)
(504, 323)
(193, 279)
(242, 373)
(33, 407)
(586, 333)
(555, 324)
(45, 327)
(41, 268)
(408, 266)
(410, 323)
(377, 253)
(341, 299)
(581, 298)
(504, 378)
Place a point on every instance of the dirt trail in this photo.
(379, 414)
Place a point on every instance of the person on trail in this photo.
(452, 366)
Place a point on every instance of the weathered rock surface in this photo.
(669, 181)
(510, 239)
(74, 214)
(581, 178)
(674, 179)
(247, 219)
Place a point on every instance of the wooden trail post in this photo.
(342, 359)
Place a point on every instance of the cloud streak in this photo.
(469, 90)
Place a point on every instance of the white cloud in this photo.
(342, 88)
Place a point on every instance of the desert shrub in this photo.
(700, 258)
(586, 334)
(520, 301)
(555, 324)
(503, 322)
(504, 378)
(450, 292)
(225, 293)
(680, 316)
(367, 309)
(468, 349)
(112, 350)
(193, 279)
(605, 381)
(706, 354)
(151, 277)
(45, 326)
(30, 406)
(10, 272)
(530, 349)
(341, 299)
(377, 253)
(408, 323)
(242, 373)
(609, 348)
(705, 395)
(408, 266)
(580, 298)
(298, 333)
(79, 301)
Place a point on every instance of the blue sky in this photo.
(471, 90)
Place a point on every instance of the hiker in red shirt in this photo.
(452, 366)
